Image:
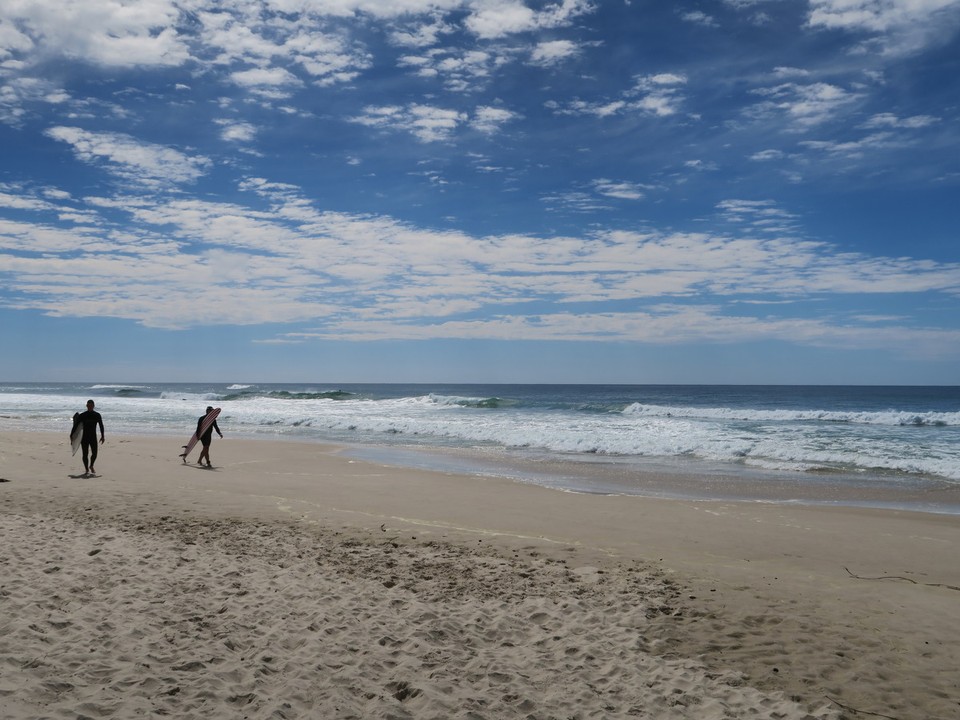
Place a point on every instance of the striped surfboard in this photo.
(204, 426)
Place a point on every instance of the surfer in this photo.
(206, 438)
(90, 420)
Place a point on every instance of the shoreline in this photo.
(653, 479)
(812, 608)
(680, 481)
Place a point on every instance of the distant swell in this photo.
(892, 417)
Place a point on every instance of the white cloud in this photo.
(742, 4)
(553, 52)
(265, 54)
(758, 17)
(899, 26)
(272, 82)
(96, 31)
(12, 40)
(17, 201)
(874, 15)
(427, 123)
(19, 94)
(131, 159)
(237, 131)
(784, 72)
(180, 262)
(574, 201)
(620, 190)
(660, 325)
(421, 35)
(853, 148)
(804, 106)
(460, 69)
(377, 276)
(698, 17)
(699, 165)
(657, 95)
(759, 215)
(767, 155)
(493, 19)
(326, 57)
(889, 120)
(489, 119)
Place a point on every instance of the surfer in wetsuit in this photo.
(206, 438)
(90, 420)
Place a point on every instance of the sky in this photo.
(558, 191)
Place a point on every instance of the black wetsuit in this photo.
(90, 420)
(208, 435)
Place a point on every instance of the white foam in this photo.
(770, 439)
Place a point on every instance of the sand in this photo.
(293, 582)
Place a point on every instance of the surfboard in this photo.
(204, 426)
(76, 434)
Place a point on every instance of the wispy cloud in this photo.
(553, 52)
(767, 155)
(237, 131)
(135, 161)
(271, 82)
(804, 106)
(889, 120)
(759, 215)
(434, 124)
(500, 18)
(18, 95)
(428, 124)
(490, 119)
(661, 325)
(619, 189)
(657, 95)
(372, 277)
(458, 69)
(896, 26)
(698, 17)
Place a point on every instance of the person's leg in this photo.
(93, 455)
(85, 449)
(204, 453)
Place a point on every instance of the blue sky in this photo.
(738, 191)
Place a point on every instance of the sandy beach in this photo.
(292, 581)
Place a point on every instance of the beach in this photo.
(295, 581)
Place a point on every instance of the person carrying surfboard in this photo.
(89, 421)
(206, 437)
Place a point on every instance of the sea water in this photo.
(874, 446)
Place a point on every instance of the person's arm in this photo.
(217, 428)
(103, 438)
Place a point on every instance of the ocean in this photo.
(854, 445)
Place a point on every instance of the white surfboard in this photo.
(76, 434)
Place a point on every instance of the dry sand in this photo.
(293, 582)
